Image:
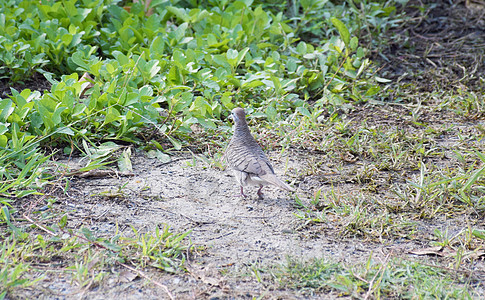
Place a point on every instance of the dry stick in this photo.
(34, 203)
(335, 74)
(187, 217)
(38, 225)
(188, 251)
(140, 273)
(381, 269)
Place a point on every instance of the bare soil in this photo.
(230, 234)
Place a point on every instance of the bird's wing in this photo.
(247, 158)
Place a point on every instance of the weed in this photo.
(389, 278)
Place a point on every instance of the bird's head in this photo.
(238, 114)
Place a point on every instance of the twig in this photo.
(221, 236)
(140, 273)
(333, 77)
(187, 217)
(38, 225)
(371, 283)
(98, 173)
(255, 217)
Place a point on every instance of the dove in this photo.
(247, 160)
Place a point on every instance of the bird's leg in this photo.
(242, 192)
(260, 194)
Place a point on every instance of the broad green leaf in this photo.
(211, 84)
(180, 31)
(66, 39)
(3, 141)
(222, 61)
(65, 130)
(179, 13)
(382, 80)
(291, 64)
(226, 100)
(56, 116)
(157, 46)
(354, 43)
(63, 221)
(241, 55)
(174, 76)
(277, 84)
(153, 68)
(304, 111)
(3, 128)
(342, 29)
(232, 54)
(6, 109)
(301, 48)
(372, 91)
(207, 123)
(211, 39)
(111, 115)
(200, 16)
(271, 113)
(176, 144)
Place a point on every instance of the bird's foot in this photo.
(260, 194)
(242, 193)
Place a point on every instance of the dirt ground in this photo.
(235, 233)
(231, 234)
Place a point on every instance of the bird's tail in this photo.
(271, 178)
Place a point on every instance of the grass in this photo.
(387, 175)
(85, 257)
(390, 278)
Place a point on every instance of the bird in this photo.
(247, 160)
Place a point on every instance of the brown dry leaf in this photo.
(127, 276)
(476, 6)
(202, 274)
(437, 250)
(349, 157)
(93, 263)
(148, 11)
(476, 255)
(88, 83)
(97, 173)
(196, 128)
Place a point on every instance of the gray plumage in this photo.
(247, 160)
